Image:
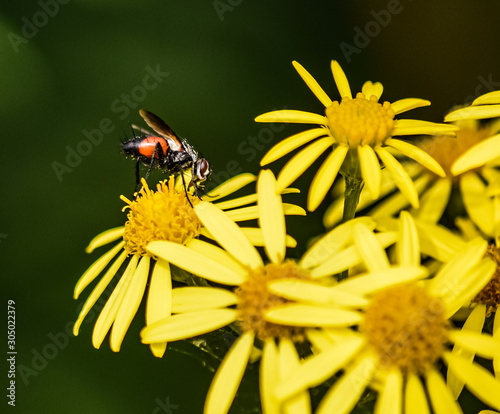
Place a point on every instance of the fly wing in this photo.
(161, 128)
(141, 130)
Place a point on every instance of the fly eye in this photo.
(203, 169)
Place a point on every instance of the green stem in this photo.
(353, 186)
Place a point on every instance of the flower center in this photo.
(164, 214)
(360, 121)
(406, 327)
(446, 150)
(254, 299)
(490, 295)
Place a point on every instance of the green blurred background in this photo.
(69, 69)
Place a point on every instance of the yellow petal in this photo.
(318, 368)
(228, 377)
(438, 242)
(474, 323)
(346, 392)
(478, 380)
(288, 362)
(408, 249)
(159, 303)
(269, 378)
(370, 89)
(376, 281)
(313, 85)
(415, 399)
(271, 218)
(477, 155)
(105, 237)
(235, 202)
(449, 277)
(252, 212)
(396, 202)
(292, 116)
(110, 310)
(468, 286)
(195, 298)
(195, 262)
(256, 237)
(400, 176)
(417, 127)
(481, 344)
(434, 201)
(477, 203)
(332, 242)
(390, 399)
(325, 177)
(93, 271)
(310, 315)
(474, 112)
(229, 186)
(291, 143)
(98, 290)
(441, 399)
(407, 104)
(496, 335)
(311, 292)
(130, 303)
(370, 169)
(370, 249)
(217, 254)
(302, 161)
(488, 98)
(227, 234)
(341, 80)
(417, 154)
(187, 325)
(319, 341)
(349, 257)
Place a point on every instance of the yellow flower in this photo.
(486, 106)
(404, 331)
(206, 309)
(358, 129)
(165, 214)
(478, 186)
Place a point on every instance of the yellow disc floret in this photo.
(360, 121)
(407, 328)
(165, 214)
(254, 299)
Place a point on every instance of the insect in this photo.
(165, 151)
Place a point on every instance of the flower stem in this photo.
(353, 186)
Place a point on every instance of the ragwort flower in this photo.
(165, 214)
(239, 264)
(358, 129)
(404, 332)
(478, 186)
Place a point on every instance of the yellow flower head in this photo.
(478, 183)
(253, 307)
(403, 332)
(161, 215)
(360, 128)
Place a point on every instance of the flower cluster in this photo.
(389, 308)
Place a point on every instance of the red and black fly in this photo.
(165, 151)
